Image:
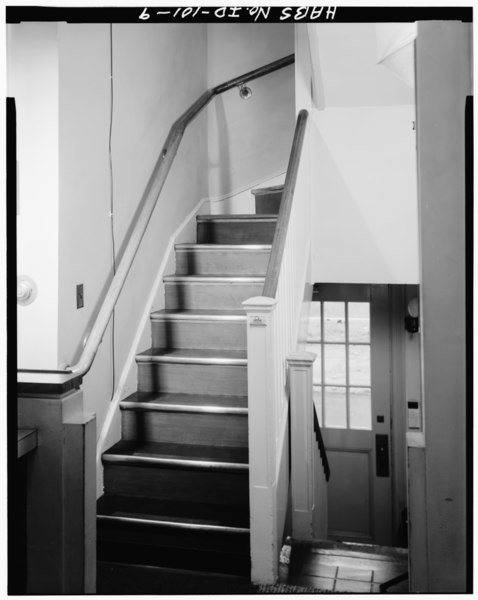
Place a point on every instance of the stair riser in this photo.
(235, 232)
(268, 204)
(185, 295)
(174, 537)
(199, 334)
(174, 558)
(190, 428)
(177, 484)
(192, 379)
(234, 262)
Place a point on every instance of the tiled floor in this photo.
(340, 567)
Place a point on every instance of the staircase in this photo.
(176, 487)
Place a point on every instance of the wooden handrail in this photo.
(151, 195)
(278, 243)
(320, 443)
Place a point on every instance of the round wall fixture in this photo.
(26, 290)
(411, 318)
(245, 92)
(413, 307)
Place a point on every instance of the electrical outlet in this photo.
(80, 301)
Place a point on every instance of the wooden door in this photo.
(349, 332)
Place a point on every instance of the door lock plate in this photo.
(381, 456)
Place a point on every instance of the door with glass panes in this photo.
(349, 331)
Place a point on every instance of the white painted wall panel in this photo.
(364, 195)
(33, 82)
(364, 190)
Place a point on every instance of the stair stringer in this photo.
(111, 431)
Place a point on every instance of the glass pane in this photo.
(315, 309)
(359, 365)
(360, 405)
(318, 402)
(359, 322)
(335, 407)
(334, 365)
(314, 325)
(334, 321)
(317, 366)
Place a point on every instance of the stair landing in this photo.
(342, 567)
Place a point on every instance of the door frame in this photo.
(395, 297)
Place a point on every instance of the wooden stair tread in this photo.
(186, 402)
(199, 314)
(194, 356)
(224, 247)
(268, 190)
(192, 513)
(127, 451)
(177, 484)
(218, 277)
(237, 217)
(214, 278)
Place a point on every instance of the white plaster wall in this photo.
(159, 72)
(365, 205)
(32, 78)
(348, 55)
(365, 211)
(84, 232)
(249, 141)
(84, 113)
(149, 93)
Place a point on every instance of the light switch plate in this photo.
(80, 301)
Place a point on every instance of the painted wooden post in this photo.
(302, 443)
(438, 471)
(61, 494)
(262, 451)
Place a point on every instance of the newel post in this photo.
(302, 444)
(262, 439)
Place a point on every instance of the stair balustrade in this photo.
(273, 321)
